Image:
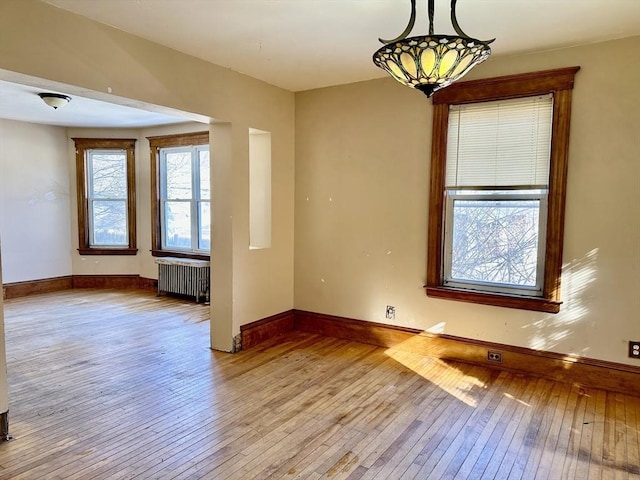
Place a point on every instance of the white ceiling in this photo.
(21, 102)
(304, 44)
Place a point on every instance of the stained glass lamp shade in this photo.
(431, 62)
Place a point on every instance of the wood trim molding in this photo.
(169, 253)
(361, 331)
(560, 83)
(581, 371)
(256, 332)
(108, 281)
(108, 251)
(34, 287)
(508, 86)
(558, 169)
(145, 283)
(537, 304)
(5, 436)
(179, 139)
(81, 147)
(48, 285)
(435, 223)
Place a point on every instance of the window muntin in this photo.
(105, 170)
(185, 198)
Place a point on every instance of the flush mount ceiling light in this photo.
(55, 100)
(431, 62)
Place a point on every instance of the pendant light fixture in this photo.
(55, 100)
(431, 62)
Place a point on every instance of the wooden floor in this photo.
(113, 385)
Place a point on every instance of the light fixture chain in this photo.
(431, 10)
(456, 26)
(407, 31)
(454, 20)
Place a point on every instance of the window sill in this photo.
(498, 300)
(169, 253)
(108, 251)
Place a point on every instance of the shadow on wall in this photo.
(578, 277)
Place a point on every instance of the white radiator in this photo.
(184, 276)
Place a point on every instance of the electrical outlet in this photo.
(390, 313)
(634, 349)
(494, 356)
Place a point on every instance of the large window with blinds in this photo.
(497, 175)
(497, 190)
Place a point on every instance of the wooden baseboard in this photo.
(34, 287)
(581, 371)
(379, 334)
(265, 329)
(147, 283)
(47, 285)
(4, 427)
(106, 281)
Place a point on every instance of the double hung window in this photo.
(181, 195)
(497, 191)
(106, 196)
(185, 200)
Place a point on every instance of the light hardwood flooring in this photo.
(111, 384)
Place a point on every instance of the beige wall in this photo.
(362, 170)
(34, 201)
(44, 42)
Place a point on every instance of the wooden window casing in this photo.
(558, 82)
(82, 145)
(155, 144)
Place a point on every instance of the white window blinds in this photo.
(506, 143)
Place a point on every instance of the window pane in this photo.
(495, 241)
(178, 175)
(178, 224)
(108, 173)
(109, 220)
(205, 185)
(204, 232)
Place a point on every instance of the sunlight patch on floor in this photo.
(449, 378)
(508, 395)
